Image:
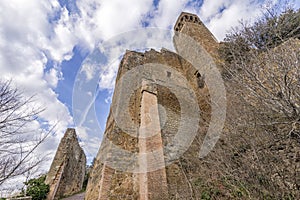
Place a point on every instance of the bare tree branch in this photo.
(18, 140)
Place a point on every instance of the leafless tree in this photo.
(264, 60)
(262, 66)
(18, 140)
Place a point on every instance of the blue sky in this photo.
(44, 45)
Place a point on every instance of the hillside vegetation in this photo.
(258, 156)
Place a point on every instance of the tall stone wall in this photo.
(108, 183)
(67, 171)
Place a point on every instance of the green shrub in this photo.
(37, 188)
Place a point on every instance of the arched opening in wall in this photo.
(191, 18)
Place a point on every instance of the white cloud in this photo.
(211, 8)
(52, 77)
(91, 147)
(107, 76)
(63, 40)
(167, 13)
(110, 17)
(27, 42)
(108, 99)
(82, 132)
(221, 16)
(89, 70)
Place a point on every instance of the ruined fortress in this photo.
(67, 171)
(169, 180)
(144, 155)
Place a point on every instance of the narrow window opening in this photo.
(168, 74)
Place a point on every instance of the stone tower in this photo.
(67, 171)
(160, 105)
(191, 25)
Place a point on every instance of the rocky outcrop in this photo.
(66, 174)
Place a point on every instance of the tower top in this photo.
(191, 25)
(186, 17)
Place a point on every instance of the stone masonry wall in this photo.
(107, 183)
(67, 171)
